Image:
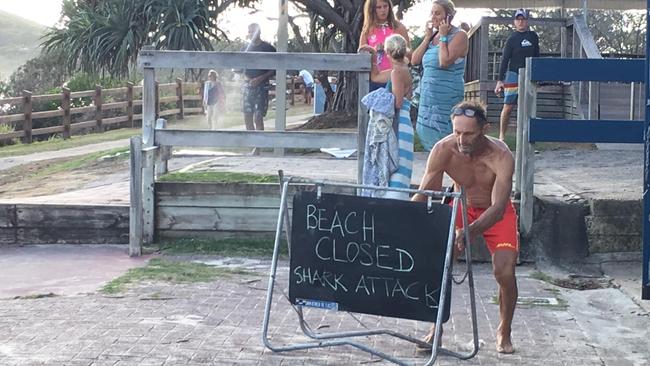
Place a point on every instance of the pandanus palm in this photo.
(105, 36)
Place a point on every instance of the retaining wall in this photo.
(562, 232)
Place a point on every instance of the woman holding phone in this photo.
(442, 55)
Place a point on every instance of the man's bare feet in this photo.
(504, 342)
(429, 340)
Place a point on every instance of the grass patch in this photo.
(83, 161)
(74, 141)
(417, 144)
(165, 270)
(219, 177)
(224, 247)
(559, 303)
(539, 275)
(35, 296)
(511, 137)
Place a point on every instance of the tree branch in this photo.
(323, 9)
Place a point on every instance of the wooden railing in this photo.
(148, 152)
(101, 109)
(577, 100)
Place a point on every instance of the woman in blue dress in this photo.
(442, 54)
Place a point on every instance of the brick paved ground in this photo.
(220, 323)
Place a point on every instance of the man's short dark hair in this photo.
(477, 107)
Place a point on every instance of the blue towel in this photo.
(402, 177)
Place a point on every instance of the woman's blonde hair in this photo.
(448, 5)
(370, 16)
(395, 46)
(213, 73)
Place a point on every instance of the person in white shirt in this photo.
(308, 80)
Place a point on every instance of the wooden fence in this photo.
(103, 109)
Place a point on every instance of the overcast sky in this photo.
(47, 12)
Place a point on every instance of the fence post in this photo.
(157, 99)
(180, 105)
(148, 193)
(129, 103)
(528, 158)
(165, 152)
(201, 91)
(363, 79)
(65, 105)
(27, 110)
(98, 107)
(135, 209)
(484, 49)
(521, 120)
(149, 112)
(293, 91)
(594, 98)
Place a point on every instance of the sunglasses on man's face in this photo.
(464, 111)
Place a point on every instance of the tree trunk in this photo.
(328, 19)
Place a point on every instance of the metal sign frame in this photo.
(329, 339)
(645, 281)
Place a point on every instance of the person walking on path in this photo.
(214, 99)
(483, 166)
(379, 23)
(255, 98)
(442, 55)
(522, 43)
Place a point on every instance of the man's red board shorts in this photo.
(503, 235)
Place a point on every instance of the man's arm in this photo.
(432, 178)
(506, 54)
(259, 80)
(504, 170)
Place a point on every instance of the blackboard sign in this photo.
(368, 255)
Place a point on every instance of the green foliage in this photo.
(223, 247)
(38, 74)
(167, 270)
(74, 141)
(6, 128)
(105, 37)
(82, 161)
(219, 177)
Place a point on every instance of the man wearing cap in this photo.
(521, 44)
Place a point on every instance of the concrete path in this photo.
(220, 323)
(61, 269)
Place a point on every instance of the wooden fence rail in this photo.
(104, 108)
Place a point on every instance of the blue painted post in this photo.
(645, 291)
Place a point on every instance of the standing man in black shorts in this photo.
(521, 44)
(255, 96)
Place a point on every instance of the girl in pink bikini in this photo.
(380, 23)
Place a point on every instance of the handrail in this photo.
(586, 38)
(590, 129)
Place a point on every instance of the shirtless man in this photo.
(484, 167)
